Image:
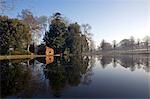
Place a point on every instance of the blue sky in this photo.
(110, 19)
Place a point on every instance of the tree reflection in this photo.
(114, 62)
(14, 77)
(56, 74)
(146, 62)
(65, 72)
(128, 62)
(105, 60)
(135, 62)
(132, 62)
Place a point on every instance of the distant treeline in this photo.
(126, 44)
(21, 35)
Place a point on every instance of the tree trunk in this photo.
(28, 47)
(147, 46)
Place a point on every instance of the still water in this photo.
(125, 76)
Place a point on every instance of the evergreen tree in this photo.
(65, 38)
(14, 33)
(55, 37)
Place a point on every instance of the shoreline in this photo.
(5, 57)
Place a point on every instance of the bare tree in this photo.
(132, 42)
(114, 45)
(102, 44)
(138, 43)
(43, 20)
(86, 31)
(147, 41)
(34, 25)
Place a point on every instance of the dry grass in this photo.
(20, 57)
(5, 57)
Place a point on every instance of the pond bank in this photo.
(5, 57)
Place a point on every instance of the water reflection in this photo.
(132, 62)
(52, 76)
(14, 77)
(63, 73)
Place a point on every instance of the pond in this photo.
(123, 76)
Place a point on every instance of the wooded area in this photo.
(23, 34)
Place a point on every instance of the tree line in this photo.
(125, 44)
(24, 33)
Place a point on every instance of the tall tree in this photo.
(62, 36)
(34, 25)
(42, 20)
(132, 41)
(56, 35)
(138, 43)
(87, 32)
(14, 33)
(77, 41)
(102, 45)
(114, 44)
(147, 41)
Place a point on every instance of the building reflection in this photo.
(49, 59)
